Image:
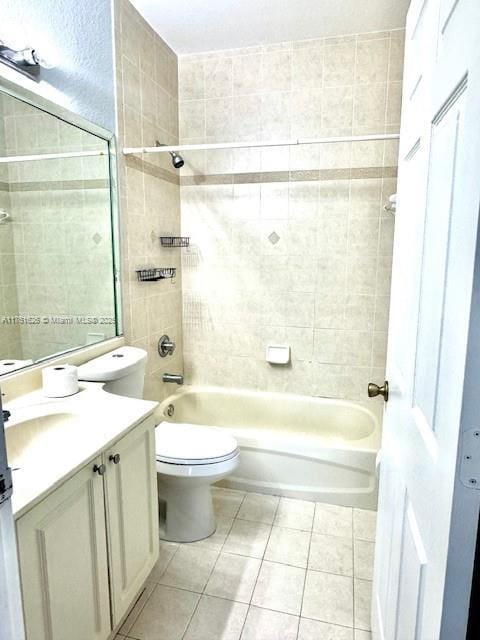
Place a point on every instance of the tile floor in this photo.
(276, 569)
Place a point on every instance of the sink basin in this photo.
(29, 441)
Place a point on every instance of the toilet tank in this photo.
(122, 371)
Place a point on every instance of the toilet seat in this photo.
(191, 444)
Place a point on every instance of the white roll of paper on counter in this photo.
(60, 381)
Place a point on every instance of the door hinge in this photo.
(470, 463)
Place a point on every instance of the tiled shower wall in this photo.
(290, 244)
(147, 94)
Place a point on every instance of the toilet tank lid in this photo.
(113, 365)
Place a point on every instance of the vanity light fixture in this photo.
(26, 61)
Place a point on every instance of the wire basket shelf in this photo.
(175, 241)
(151, 275)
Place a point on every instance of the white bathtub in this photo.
(291, 445)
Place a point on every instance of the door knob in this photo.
(100, 469)
(115, 458)
(374, 390)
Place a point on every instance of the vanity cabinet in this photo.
(87, 548)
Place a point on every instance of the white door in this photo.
(424, 495)
(132, 508)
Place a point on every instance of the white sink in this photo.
(32, 440)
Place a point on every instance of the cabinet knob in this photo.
(115, 458)
(100, 469)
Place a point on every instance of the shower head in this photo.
(177, 159)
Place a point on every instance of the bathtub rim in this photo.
(370, 443)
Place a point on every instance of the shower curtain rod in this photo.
(249, 145)
(52, 156)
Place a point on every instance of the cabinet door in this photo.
(63, 562)
(132, 514)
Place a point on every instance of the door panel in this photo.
(443, 164)
(413, 562)
(132, 515)
(63, 562)
(417, 556)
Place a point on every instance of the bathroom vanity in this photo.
(85, 508)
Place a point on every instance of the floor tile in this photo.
(216, 540)
(363, 603)
(364, 524)
(363, 559)
(331, 554)
(362, 635)
(288, 546)
(247, 538)
(296, 514)
(315, 630)
(333, 520)
(279, 587)
(217, 619)
(190, 568)
(259, 508)
(328, 598)
(166, 552)
(262, 624)
(234, 577)
(226, 502)
(166, 614)
(137, 608)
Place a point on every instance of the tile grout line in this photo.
(262, 559)
(212, 570)
(169, 586)
(260, 568)
(153, 590)
(306, 570)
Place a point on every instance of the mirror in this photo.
(57, 288)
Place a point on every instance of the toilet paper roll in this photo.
(60, 381)
(8, 366)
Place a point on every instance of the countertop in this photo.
(84, 425)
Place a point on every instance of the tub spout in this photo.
(172, 377)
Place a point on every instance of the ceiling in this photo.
(194, 26)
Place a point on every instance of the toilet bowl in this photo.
(189, 459)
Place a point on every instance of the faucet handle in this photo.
(166, 347)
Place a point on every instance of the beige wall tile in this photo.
(149, 78)
(323, 287)
(339, 64)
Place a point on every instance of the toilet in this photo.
(189, 457)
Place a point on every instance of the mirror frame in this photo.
(43, 104)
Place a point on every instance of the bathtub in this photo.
(291, 445)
